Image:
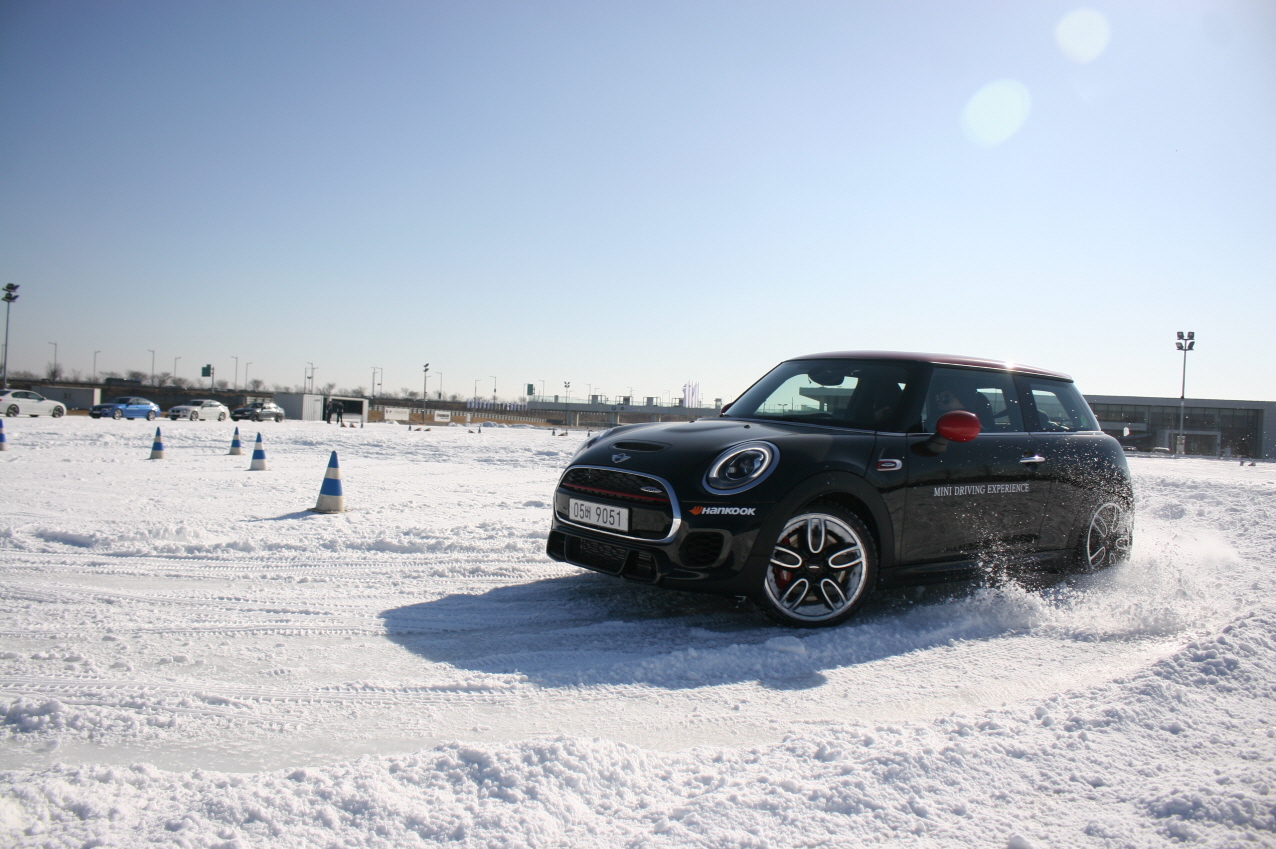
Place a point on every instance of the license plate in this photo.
(600, 515)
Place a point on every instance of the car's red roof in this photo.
(938, 359)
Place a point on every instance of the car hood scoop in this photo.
(630, 445)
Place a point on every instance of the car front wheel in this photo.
(150, 416)
(822, 568)
(221, 417)
(1107, 538)
(57, 412)
(12, 411)
(194, 416)
(278, 419)
(118, 414)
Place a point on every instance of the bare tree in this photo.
(162, 378)
(134, 374)
(223, 384)
(76, 376)
(411, 394)
(181, 382)
(53, 371)
(327, 388)
(256, 384)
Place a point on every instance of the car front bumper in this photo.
(699, 551)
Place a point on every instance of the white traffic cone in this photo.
(331, 500)
(235, 447)
(258, 463)
(157, 447)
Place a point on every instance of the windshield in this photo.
(859, 394)
(124, 401)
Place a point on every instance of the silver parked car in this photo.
(200, 409)
(24, 402)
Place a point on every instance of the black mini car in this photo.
(836, 472)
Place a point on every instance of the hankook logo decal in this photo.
(723, 511)
(619, 458)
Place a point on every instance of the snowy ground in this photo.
(189, 657)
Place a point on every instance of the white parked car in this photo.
(200, 409)
(24, 402)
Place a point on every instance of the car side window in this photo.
(990, 395)
(1059, 407)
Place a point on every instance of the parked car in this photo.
(259, 411)
(24, 402)
(838, 472)
(200, 409)
(126, 407)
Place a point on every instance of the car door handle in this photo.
(1035, 458)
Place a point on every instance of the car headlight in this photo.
(741, 467)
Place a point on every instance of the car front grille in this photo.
(622, 486)
(651, 505)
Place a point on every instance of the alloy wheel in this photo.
(819, 569)
(1107, 539)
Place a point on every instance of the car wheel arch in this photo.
(846, 489)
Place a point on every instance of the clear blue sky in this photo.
(638, 194)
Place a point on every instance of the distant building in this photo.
(1211, 427)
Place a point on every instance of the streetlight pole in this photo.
(152, 367)
(1186, 342)
(175, 359)
(10, 295)
(425, 390)
(236, 385)
(476, 383)
(493, 387)
(55, 359)
(310, 376)
(246, 365)
(95, 353)
(440, 386)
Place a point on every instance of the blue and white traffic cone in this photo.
(157, 447)
(235, 447)
(4, 445)
(330, 498)
(258, 463)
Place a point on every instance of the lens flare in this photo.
(996, 112)
(1082, 35)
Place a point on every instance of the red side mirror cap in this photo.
(958, 426)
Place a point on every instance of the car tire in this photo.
(194, 416)
(57, 412)
(12, 411)
(256, 417)
(150, 415)
(1106, 538)
(221, 417)
(278, 419)
(822, 568)
(118, 414)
